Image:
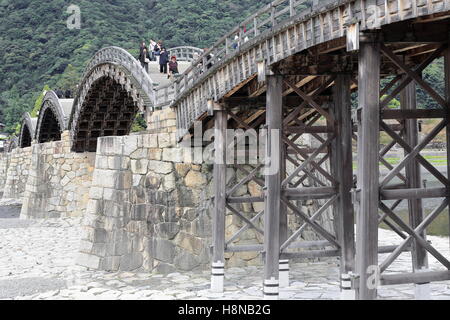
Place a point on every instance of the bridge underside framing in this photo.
(309, 95)
(108, 110)
(50, 128)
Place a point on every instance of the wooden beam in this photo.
(368, 162)
(414, 175)
(447, 98)
(390, 114)
(273, 185)
(417, 193)
(418, 278)
(342, 169)
(220, 171)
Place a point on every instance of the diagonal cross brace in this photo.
(309, 160)
(421, 228)
(313, 218)
(412, 75)
(408, 80)
(318, 228)
(415, 235)
(415, 153)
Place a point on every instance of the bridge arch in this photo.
(53, 118)
(114, 89)
(27, 130)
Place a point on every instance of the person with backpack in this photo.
(163, 61)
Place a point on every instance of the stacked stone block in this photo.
(59, 181)
(4, 164)
(17, 174)
(147, 210)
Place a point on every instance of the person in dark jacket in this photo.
(163, 61)
(60, 93)
(144, 58)
(173, 66)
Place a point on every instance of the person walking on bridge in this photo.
(144, 58)
(157, 50)
(163, 61)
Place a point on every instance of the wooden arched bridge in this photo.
(292, 73)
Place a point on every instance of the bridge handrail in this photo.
(263, 20)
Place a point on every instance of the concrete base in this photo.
(422, 291)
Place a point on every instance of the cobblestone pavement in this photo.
(37, 262)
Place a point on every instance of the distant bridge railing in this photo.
(186, 53)
(165, 95)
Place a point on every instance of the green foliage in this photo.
(139, 124)
(38, 104)
(394, 104)
(38, 48)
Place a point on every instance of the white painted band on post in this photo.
(217, 277)
(271, 289)
(347, 293)
(284, 273)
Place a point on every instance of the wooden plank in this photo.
(367, 227)
(342, 169)
(273, 185)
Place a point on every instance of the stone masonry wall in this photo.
(4, 164)
(59, 181)
(17, 174)
(147, 210)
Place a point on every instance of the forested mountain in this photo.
(38, 49)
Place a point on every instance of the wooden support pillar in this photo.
(284, 228)
(273, 186)
(447, 98)
(220, 171)
(368, 162)
(414, 181)
(342, 170)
